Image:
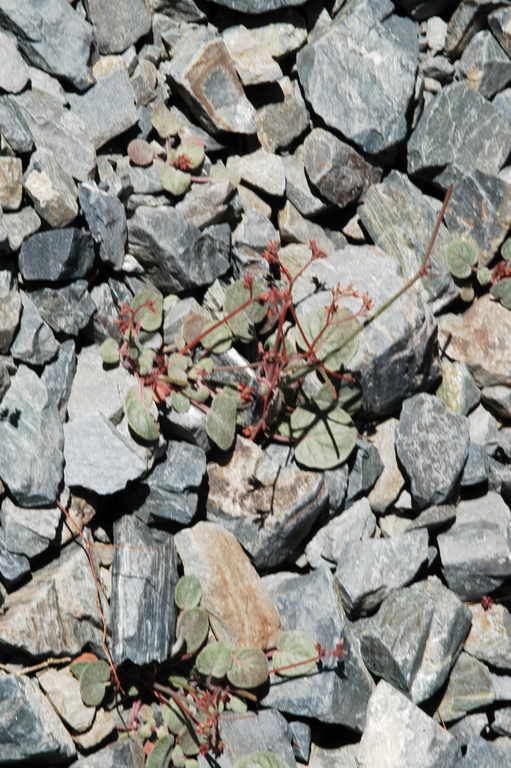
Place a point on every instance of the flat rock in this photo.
(144, 576)
(414, 638)
(14, 75)
(57, 255)
(280, 123)
(207, 204)
(250, 239)
(67, 309)
(241, 610)
(10, 183)
(476, 551)
(118, 26)
(63, 691)
(53, 36)
(260, 169)
(28, 532)
(489, 638)
(31, 442)
(272, 518)
(30, 729)
(204, 72)
(432, 446)
(470, 687)
(359, 78)
(96, 388)
(295, 228)
(51, 189)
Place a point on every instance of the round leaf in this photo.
(332, 347)
(109, 351)
(158, 758)
(93, 683)
(149, 316)
(221, 420)
(215, 659)
(502, 291)
(260, 760)
(249, 668)
(179, 402)
(173, 717)
(140, 152)
(146, 361)
(163, 121)
(193, 626)
(173, 180)
(193, 151)
(139, 415)
(188, 592)
(219, 339)
(294, 647)
(460, 255)
(242, 323)
(483, 275)
(325, 439)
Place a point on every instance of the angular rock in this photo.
(298, 191)
(416, 741)
(56, 613)
(301, 740)
(377, 74)
(144, 576)
(10, 183)
(489, 638)
(107, 109)
(432, 446)
(66, 309)
(30, 729)
(51, 189)
(390, 482)
(476, 551)
(14, 74)
(57, 255)
(42, 81)
(96, 388)
(459, 130)
(414, 639)
(354, 525)
(485, 65)
(267, 731)
(371, 568)
(433, 518)
(241, 611)
(97, 456)
(121, 754)
(13, 568)
(28, 531)
(280, 123)
(470, 687)
(335, 169)
(365, 471)
(20, 225)
(31, 442)
(58, 375)
(272, 517)
(340, 692)
(207, 204)
(204, 73)
(104, 725)
(176, 255)
(250, 239)
(458, 390)
(339, 757)
(63, 691)
(107, 222)
(10, 310)
(118, 26)
(294, 228)
(498, 400)
(52, 35)
(14, 127)
(476, 467)
(260, 169)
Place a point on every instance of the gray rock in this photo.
(301, 740)
(260, 169)
(63, 691)
(432, 445)
(458, 128)
(10, 183)
(51, 189)
(13, 568)
(502, 721)
(52, 36)
(484, 430)
(10, 311)
(498, 400)
(470, 687)
(118, 26)
(352, 526)
(369, 569)
(19, 226)
(438, 67)
(66, 309)
(481, 753)
(415, 637)
(121, 754)
(96, 388)
(390, 482)
(14, 75)
(34, 343)
(57, 129)
(280, 123)
(56, 613)
(14, 127)
(107, 109)
(476, 552)
(498, 21)
(143, 82)
(145, 180)
(258, 6)
(58, 375)
(204, 73)
(366, 470)
(476, 466)
(294, 228)
(106, 218)
(97, 456)
(270, 509)
(30, 728)
(176, 255)
(433, 518)
(189, 426)
(338, 757)
(266, 731)
(28, 531)
(458, 390)
(485, 65)
(417, 740)
(207, 204)
(298, 191)
(144, 576)
(57, 255)
(170, 492)
(359, 78)
(42, 81)
(338, 694)
(250, 239)
(337, 484)
(337, 171)
(31, 442)
(489, 638)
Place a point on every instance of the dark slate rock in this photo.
(337, 171)
(499, 478)
(359, 78)
(458, 128)
(107, 109)
(366, 470)
(352, 526)
(14, 127)
(204, 73)
(485, 65)
(52, 36)
(66, 309)
(28, 532)
(31, 442)
(57, 255)
(470, 687)
(369, 569)
(340, 695)
(476, 551)
(176, 255)
(34, 343)
(400, 220)
(58, 375)
(432, 445)
(171, 490)
(484, 430)
(144, 576)
(337, 484)
(30, 729)
(415, 637)
(417, 740)
(118, 26)
(106, 218)
(13, 568)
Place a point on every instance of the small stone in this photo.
(476, 468)
(298, 191)
(436, 31)
(57, 255)
(128, 753)
(295, 228)
(10, 183)
(28, 532)
(13, 127)
(207, 204)
(96, 388)
(458, 390)
(257, 6)
(51, 189)
(282, 122)
(354, 525)
(144, 81)
(485, 65)
(20, 225)
(118, 26)
(267, 731)
(58, 376)
(260, 169)
(13, 568)
(470, 687)
(365, 471)
(106, 218)
(67, 309)
(250, 238)
(42, 81)
(489, 638)
(14, 74)
(10, 311)
(63, 691)
(390, 482)
(498, 400)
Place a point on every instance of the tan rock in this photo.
(389, 484)
(241, 610)
(63, 690)
(10, 183)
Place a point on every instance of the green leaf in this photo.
(139, 415)
(178, 757)
(109, 351)
(176, 369)
(221, 420)
(249, 668)
(174, 181)
(294, 647)
(93, 683)
(159, 757)
(215, 659)
(237, 705)
(173, 717)
(219, 339)
(149, 316)
(483, 275)
(502, 292)
(178, 681)
(505, 249)
(460, 255)
(193, 627)
(331, 347)
(180, 403)
(242, 323)
(146, 361)
(189, 742)
(193, 151)
(77, 667)
(260, 760)
(163, 121)
(188, 592)
(326, 439)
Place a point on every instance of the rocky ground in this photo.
(164, 144)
